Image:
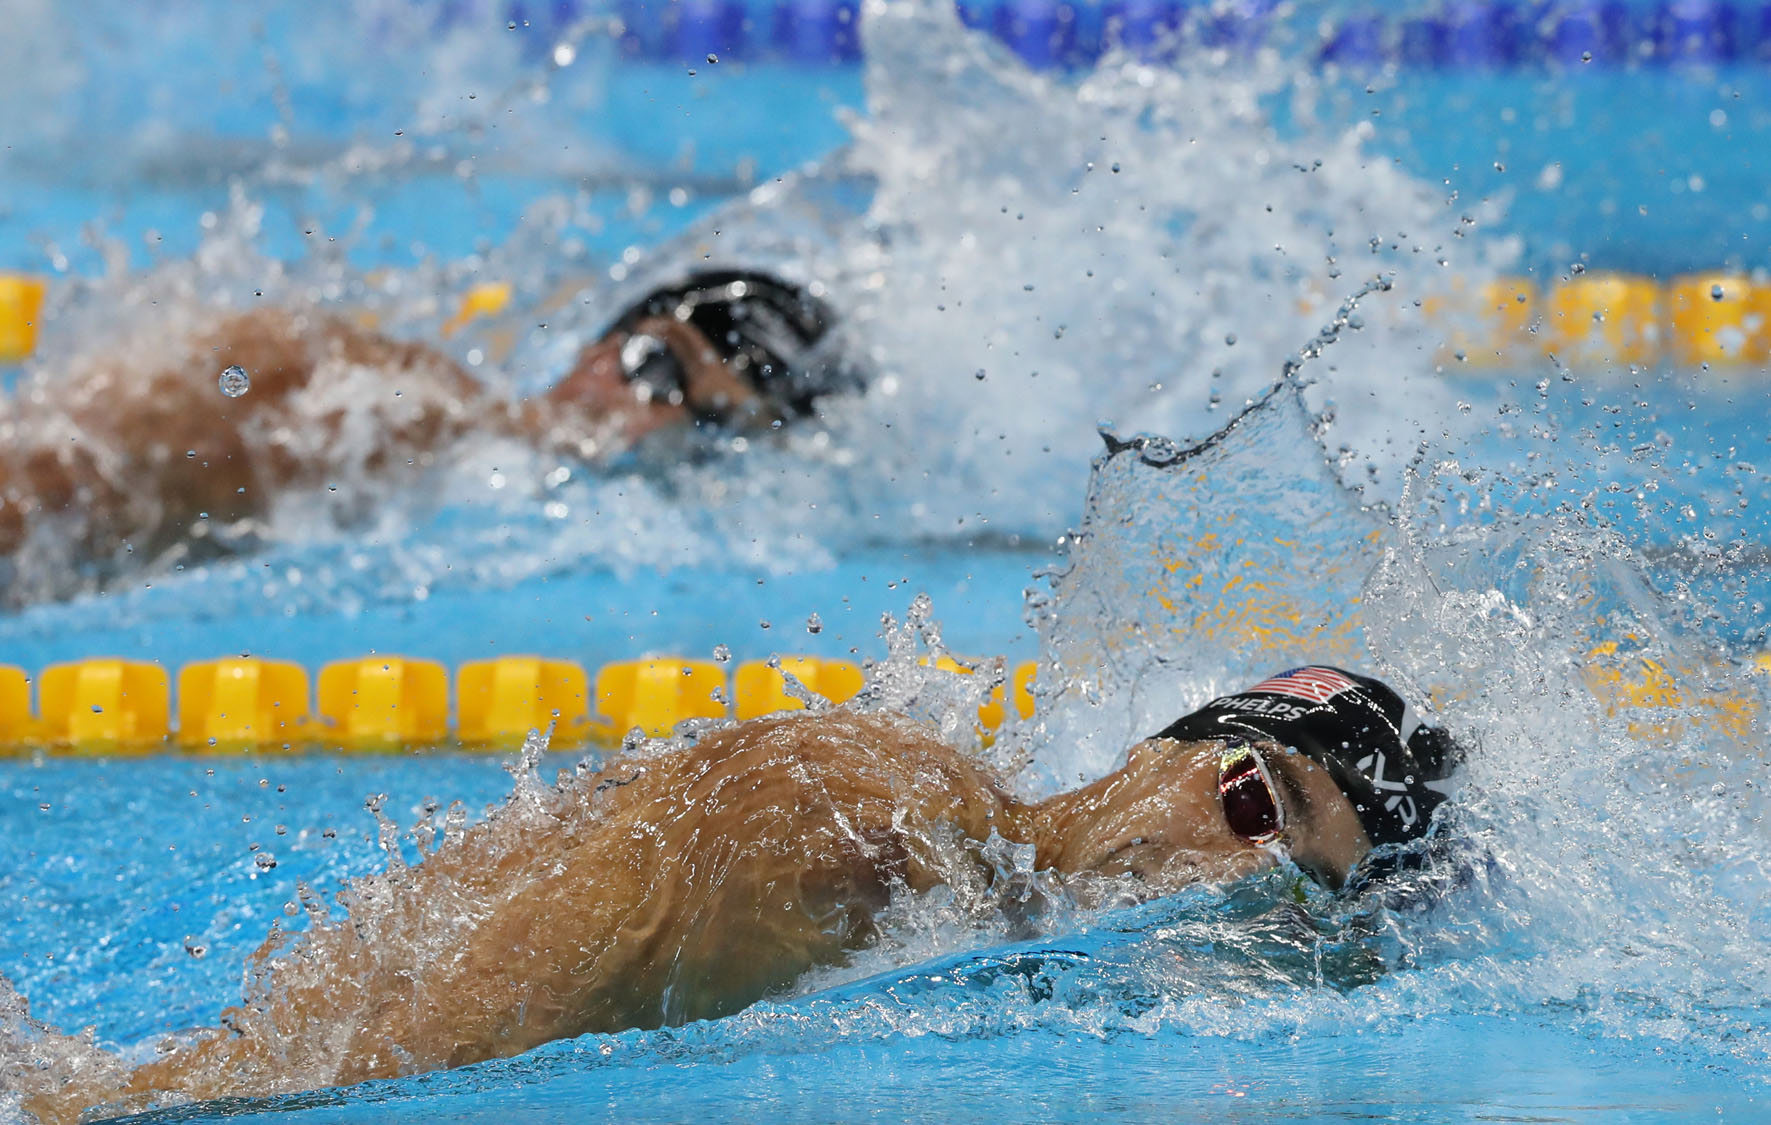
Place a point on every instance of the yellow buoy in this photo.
(16, 723)
(21, 301)
(243, 701)
(758, 689)
(994, 709)
(1628, 682)
(656, 694)
(384, 702)
(1719, 318)
(1023, 686)
(498, 702)
(1604, 320)
(103, 705)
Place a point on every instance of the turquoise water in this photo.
(1470, 534)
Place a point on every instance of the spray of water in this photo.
(1620, 833)
(1017, 257)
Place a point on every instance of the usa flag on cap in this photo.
(1318, 685)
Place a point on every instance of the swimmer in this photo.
(146, 458)
(688, 885)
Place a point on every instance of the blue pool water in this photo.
(1031, 255)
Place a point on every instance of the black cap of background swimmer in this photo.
(775, 335)
(1390, 765)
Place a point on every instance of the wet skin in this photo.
(139, 459)
(686, 886)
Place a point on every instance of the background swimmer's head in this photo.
(774, 336)
(1391, 768)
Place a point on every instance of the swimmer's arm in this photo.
(629, 915)
(711, 384)
(594, 409)
(142, 455)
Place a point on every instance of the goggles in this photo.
(1251, 802)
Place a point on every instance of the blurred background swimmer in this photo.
(163, 457)
(685, 885)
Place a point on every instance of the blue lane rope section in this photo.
(1453, 35)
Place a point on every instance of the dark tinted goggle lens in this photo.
(1251, 804)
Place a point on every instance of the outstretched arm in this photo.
(662, 890)
(140, 451)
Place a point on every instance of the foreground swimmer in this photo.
(136, 458)
(688, 885)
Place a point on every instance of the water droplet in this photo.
(1577, 267)
(978, 374)
(814, 625)
(264, 861)
(1715, 292)
(712, 58)
(1116, 166)
(722, 654)
(1586, 56)
(194, 947)
(235, 382)
(1230, 340)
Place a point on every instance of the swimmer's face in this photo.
(1162, 819)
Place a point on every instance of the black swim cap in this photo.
(1390, 765)
(775, 335)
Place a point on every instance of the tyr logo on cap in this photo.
(1399, 802)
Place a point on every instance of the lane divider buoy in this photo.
(654, 695)
(383, 703)
(1454, 36)
(105, 706)
(1660, 701)
(758, 689)
(21, 301)
(502, 698)
(1589, 322)
(1596, 322)
(486, 299)
(241, 701)
(111, 707)
(1718, 318)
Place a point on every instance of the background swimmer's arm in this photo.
(594, 408)
(141, 455)
(711, 386)
(592, 411)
